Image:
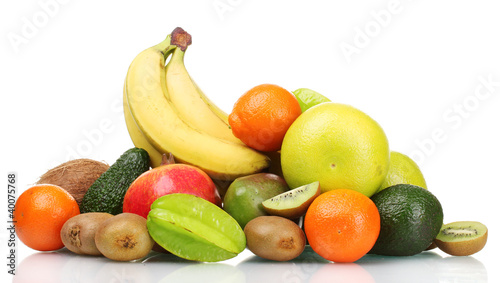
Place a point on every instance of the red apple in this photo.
(168, 179)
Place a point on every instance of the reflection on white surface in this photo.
(64, 266)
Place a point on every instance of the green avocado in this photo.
(107, 192)
(410, 219)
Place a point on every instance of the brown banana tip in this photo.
(181, 38)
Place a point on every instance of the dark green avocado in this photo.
(410, 219)
(107, 192)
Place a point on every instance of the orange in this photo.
(261, 116)
(39, 215)
(342, 225)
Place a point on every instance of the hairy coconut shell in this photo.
(75, 176)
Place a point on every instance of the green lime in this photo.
(308, 98)
(403, 170)
(337, 145)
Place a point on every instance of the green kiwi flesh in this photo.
(294, 203)
(462, 238)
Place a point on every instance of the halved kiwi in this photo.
(462, 238)
(294, 203)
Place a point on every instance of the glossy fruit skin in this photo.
(40, 212)
(308, 98)
(337, 145)
(168, 179)
(244, 197)
(342, 225)
(403, 170)
(194, 228)
(158, 124)
(262, 115)
(410, 219)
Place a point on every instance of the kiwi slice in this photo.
(462, 238)
(294, 203)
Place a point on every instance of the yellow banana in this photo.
(160, 123)
(217, 111)
(136, 135)
(192, 104)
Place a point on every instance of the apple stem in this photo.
(166, 160)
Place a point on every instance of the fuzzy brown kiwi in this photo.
(75, 176)
(275, 238)
(124, 237)
(462, 238)
(78, 232)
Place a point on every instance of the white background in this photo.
(417, 67)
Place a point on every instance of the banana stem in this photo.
(165, 47)
(178, 55)
(181, 38)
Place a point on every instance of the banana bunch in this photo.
(166, 112)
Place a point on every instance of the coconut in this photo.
(75, 176)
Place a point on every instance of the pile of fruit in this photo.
(283, 170)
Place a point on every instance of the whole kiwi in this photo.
(124, 237)
(78, 232)
(275, 238)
